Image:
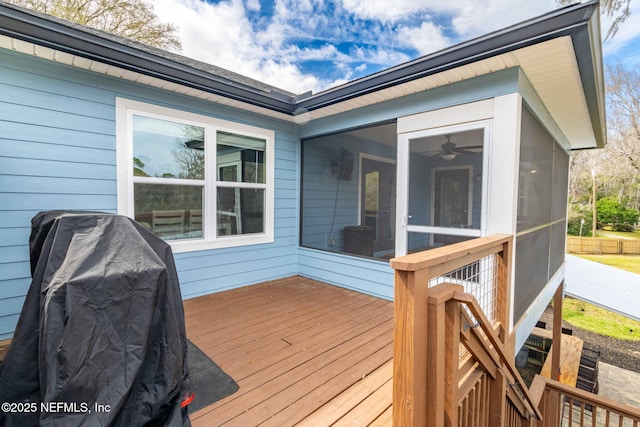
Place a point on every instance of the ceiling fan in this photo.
(449, 150)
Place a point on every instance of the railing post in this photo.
(503, 299)
(497, 396)
(410, 348)
(538, 391)
(557, 332)
(443, 349)
(452, 361)
(427, 329)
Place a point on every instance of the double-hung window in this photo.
(196, 181)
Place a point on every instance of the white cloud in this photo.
(469, 17)
(475, 18)
(628, 32)
(347, 36)
(221, 34)
(426, 38)
(253, 5)
(386, 11)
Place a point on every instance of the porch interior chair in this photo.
(195, 219)
(168, 222)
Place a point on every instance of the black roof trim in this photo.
(95, 45)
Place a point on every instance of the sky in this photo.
(312, 45)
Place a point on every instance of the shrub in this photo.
(623, 227)
(610, 211)
(574, 223)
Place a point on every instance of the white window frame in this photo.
(126, 109)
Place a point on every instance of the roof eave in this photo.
(580, 22)
(40, 31)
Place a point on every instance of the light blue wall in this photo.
(364, 275)
(57, 151)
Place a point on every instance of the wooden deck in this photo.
(302, 352)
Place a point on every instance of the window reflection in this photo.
(240, 158)
(240, 211)
(173, 212)
(165, 149)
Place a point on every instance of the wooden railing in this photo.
(453, 358)
(438, 381)
(562, 405)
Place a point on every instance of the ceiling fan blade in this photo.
(466, 151)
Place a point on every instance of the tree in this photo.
(138, 167)
(621, 157)
(610, 211)
(619, 10)
(133, 19)
(617, 166)
(623, 104)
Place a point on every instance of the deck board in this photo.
(294, 345)
(354, 400)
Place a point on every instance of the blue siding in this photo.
(57, 151)
(359, 274)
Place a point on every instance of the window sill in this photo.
(181, 246)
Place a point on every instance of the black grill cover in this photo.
(102, 324)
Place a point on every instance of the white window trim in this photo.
(126, 108)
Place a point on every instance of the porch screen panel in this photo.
(341, 203)
(419, 241)
(542, 207)
(560, 183)
(558, 246)
(532, 268)
(560, 195)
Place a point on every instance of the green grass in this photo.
(600, 321)
(625, 262)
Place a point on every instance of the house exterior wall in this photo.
(58, 151)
